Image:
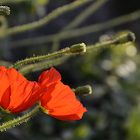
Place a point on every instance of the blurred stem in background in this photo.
(4, 24)
(10, 1)
(47, 19)
(77, 32)
(77, 21)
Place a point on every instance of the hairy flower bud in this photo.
(78, 48)
(83, 90)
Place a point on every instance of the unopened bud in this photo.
(83, 90)
(78, 48)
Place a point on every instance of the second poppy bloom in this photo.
(59, 101)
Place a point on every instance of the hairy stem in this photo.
(39, 58)
(20, 120)
(43, 65)
(106, 44)
(119, 40)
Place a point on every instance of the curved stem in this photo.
(45, 20)
(79, 19)
(78, 32)
(119, 40)
(33, 59)
(4, 24)
(85, 14)
(20, 120)
(43, 65)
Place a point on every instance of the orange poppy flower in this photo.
(59, 100)
(17, 94)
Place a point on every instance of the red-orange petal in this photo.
(5, 100)
(61, 102)
(72, 117)
(24, 95)
(12, 74)
(49, 77)
(4, 82)
(17, 93)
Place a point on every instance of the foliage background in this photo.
(113, 108)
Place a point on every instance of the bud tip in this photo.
(83, 90)
(78, 48)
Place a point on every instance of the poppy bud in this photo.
(83, 90)
(78, 48)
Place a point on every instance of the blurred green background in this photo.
(113, 107)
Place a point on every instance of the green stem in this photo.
(45, 20)
(20, 120)
(39, 58)
(43, 65)
(78, 32)
(76, 48)
(4, 24)
(119, 40)
(85, 14)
